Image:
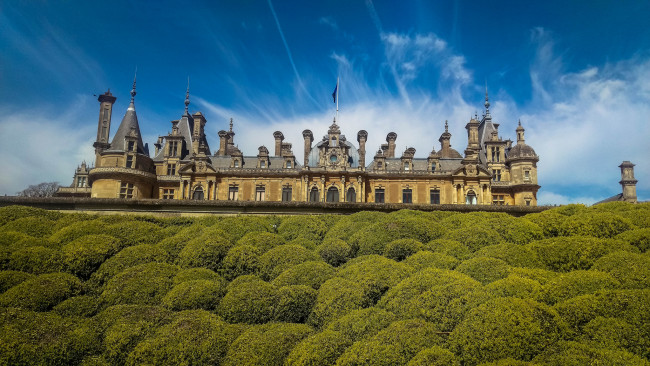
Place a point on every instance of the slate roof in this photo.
(129, 123)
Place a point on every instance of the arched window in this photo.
(333, 194)
(351, 195)
(198, 193)
(314, 195)
(470, 199)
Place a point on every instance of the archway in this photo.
(198, 193)
(333, 194)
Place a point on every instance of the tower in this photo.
(106, 102)
(628, 182)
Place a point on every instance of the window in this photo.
(433, 167)
(168, 194)
(496, 154)
(260, 193)
(235, 163)
(104, 129)
(333, 194)
(289, 164)
(407, 195)
(333, 140)
(351, 195)
(171, 169)
(233, 193)
(379, 195)
(496, 175)
(527, 202)
(131, 146)
(435, 196)
(286, 194)
(527, 175)
(129, 161)
(198, 193)
(173, 148)
(126, 190)
(262, 164)
(406, 165)
(314, 196)
(470, 199)
(498, 199)
(379, 165)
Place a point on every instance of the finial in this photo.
(133, 90)
(520, 122)
(487, 102)
(446, 126)
(231, 125)
(187, 95)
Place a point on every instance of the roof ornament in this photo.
(230, 125)
(133, 90)
(519, 122)
(446, 127)
(487, 101)
(187, 96)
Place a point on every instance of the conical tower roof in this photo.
(129, 127)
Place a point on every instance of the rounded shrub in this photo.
(362, 323)
(537, 274)
(575, 353)
(14, 212)
(475, 238)
(334, 251)
(145, 284)
(194, 337)
(84, 255)
(41, 293)
(337, 297)
(192, 274)
(348, 225)
(453, 248)
(424, 259)
(515, 286)
(76, 230)
(433, 356)
(613, 333)
(513, 254)
(630, 269)
(576, 283)
(196, 294)
(293, 303)
(318, 349)
(249, 300)
(263, 240)
(375, 274)
(312, 274)
(401, 249)
(241, 260)
(303, 242)
(484, 269)
(516, 230)
(639, 238)
(126, 258)
(34, 226)
(564, 254)
(238, 226)
(204, 252)
(283, 257)
(9, 279)
(310, 227)
(35, 260)
(267, 344)
(373, 239)
(135, 232)
(506, 327)
(84, 306)
(395, 345)
(597, 224)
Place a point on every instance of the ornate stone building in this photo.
(628, 185)
(490, 171)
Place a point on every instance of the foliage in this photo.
(84, 255)
(348, 225)
(312, 274)
(194, 337)
(640, 238)
(484, 269)
(236, 227)
(135, 232)
(41, 293)
(44, 189)
(192, 274)
(263, 240)
(85, 306)
(630, 269)
(506, 327)
(266, 345)
(537, 274)
(375, 274)
(241, 260)
(35, 260)
(434, 356)
(337, 297)
(574, 353)
(145, 284)
(565, 254)
(373, 239)
(515, 286)
(548, 221)
(395, 345)
(249, 300)
(196, 294)
(293, 303)
(127, 258)
(513, 254)
(362, 323)
(334, 251)
(597, 224)
(318, 349)
(575, 283)
(515, 230)
(475, 238)
(401, 249)
(9, 279)
(283, 257)
(10, 213)
(32, 225)
(204, 251)
(312, 228)
(615, 333)
(453, 248)
(76, 230)
(425, 258)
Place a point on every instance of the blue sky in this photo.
(576, 73)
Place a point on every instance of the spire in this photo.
(133, 92)
(129, 127)
(487, 101)
(187, 96)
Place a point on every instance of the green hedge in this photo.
(248, 300)
(35, 260)
(401, 249)
(263, 240)
(312, 274)
(41, 293)
(312, 228)
(597, 224)
(84, 255)
(574, 353)
(145, 284)
(375, 274)
(513, 254)
(126, 258)
(640, 238)
(192, 274)
(322, 348)
(435, 355)
(424, 259)
(515, 286)
(283, 257)
(334, 251)
(484, 269)
(337, 297)
(630, 269)
(362, 323)
(373, 239)
(9, 279)
(204, 251)
(196, 294)
(614, 333)
(35, 226)
(453, 248)
(576, 283)
(293, 303)
(76, 230)
(240, 260)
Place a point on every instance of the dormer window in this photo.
(433, 167)
(406, 165)
(289, 165)
(131, 146)
(334, 142)
(235, 163)
(379, 164)
(262, 164)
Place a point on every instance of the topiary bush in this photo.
(630, 269)
(192, 274)
(281, 258)
(597, 224)
(362, 323)
(515, 230)
(35, 226)
(196, 294)
(248, 300)
(639, 238)
(475, 238)
(537, 274)
(574, 353)
(576, 283)
(334, 251)
(506, 327)
(513, 254)
(312, 274)
(484, 269)
(145, 284)
(337, 297)
(241, 260)
(82, 306)
(14, 212)
(312, 228)
(204, 251)
(263, 240)
(424, 259)
(375, 274)
(615, 333)
(548, 221)
(348, 225)
(318, 349)
(84, 255)
(267, 344)
(135, 232)
(453, 248)
(435, 355)
(37, 260)
(41, 293)
(395, 345)
(126, 258)
(9, 279)
(515, 286)
(78, 229)
(401, 249)
(238, 226)
(293, 303)
(373, 239)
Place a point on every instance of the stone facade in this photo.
(490, 172)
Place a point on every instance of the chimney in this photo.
(279, 137)
(223, 141)
(628, 182)
(362, 137)
(309, 138)
(390, 138)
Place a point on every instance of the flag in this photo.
(334, 94)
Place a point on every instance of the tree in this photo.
(45, 189)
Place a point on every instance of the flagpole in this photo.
(337, 98)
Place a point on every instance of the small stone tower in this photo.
(628, 182)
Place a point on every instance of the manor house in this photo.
(491, 170)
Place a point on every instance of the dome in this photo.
(521, 151)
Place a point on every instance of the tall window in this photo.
(260, 193)
(235, 163)
(233, 193)
(262, 164)
(198, 193)
(379, 195)
(129, 161)
(470, 199)
(333, 141)
(406, 165)
(332, 194)
(435, 196)
(126, 190)
(496, 154)
(173, 148)
(289, 165)
(130, 146)
(313, 195)
(433, 167)
(379, 165)
(407, 195)
(496, 175)
(168, 194)
(526, 175)
(105, 114)
(351, 195)
(171, 169)
(286, 194)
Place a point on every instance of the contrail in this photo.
(398, 82)
(293, 65)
